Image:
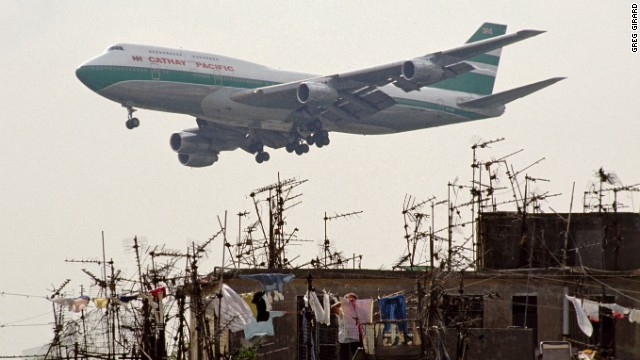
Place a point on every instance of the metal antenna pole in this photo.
(449, 229)
(218, 329)
(566, 233)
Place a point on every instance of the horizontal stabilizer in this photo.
(508, 96)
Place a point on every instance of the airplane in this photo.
(239, 104)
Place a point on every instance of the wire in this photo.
(13, 323)
(4, 293)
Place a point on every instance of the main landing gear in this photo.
(132, 122)
(258, 149)
(318, 136)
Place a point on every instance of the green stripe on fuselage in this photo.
(98, 77)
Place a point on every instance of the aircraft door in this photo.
(212, 76)
(217, 79)
(155, 71)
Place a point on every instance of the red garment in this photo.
(156, 293)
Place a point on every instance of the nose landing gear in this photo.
(132, 122)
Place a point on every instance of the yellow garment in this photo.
(248, 297)
(101, 303)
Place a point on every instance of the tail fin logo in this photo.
(487, 31)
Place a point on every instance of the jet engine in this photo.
(201, 159)
(421, 71)
(316, 93)
(193, 150)
(189, 143)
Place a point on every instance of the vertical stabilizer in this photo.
(481, 80)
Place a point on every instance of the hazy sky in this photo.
(71, 169)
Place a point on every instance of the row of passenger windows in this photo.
(160, 52)
(124, 68)
(170, 53)
(218, 79)
(212, 58)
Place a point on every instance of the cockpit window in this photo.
(115, 47)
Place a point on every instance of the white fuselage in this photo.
(200, 85)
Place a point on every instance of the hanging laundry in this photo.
(159, 293)
(101, 303)
(326, 304)
(617, 308)
(617, 311)
(124, 300)
(235, 313)
(308, 341)
(583, 321)
(74, 305)
(634, 316)
(261, 306)
(355, 313)
(592, 309)
(248, 297)
(322, 312)
(394, 308)
(255, 328)
(127, 298)
(79, 304)
(271, 282)
(63, 301)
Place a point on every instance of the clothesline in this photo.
(588, 311)
(80, 303)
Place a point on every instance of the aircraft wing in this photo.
(505, 97)
(356, 94)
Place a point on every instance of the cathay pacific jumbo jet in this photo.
(239, 104)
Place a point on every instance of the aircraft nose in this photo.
(82, 74)
(90, 76)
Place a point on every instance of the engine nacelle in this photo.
(316, 93)
(198, 160)
(422, 71)
(189, 143)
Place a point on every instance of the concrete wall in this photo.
(497, 287)
(494, 344)
(502, 246)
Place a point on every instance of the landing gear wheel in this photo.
(322, 138)
(132, 123)
(262, 157)
(310, 139)
(290, 147)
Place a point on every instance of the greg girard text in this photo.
(634, 27)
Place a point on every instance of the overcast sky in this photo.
(71, 169)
